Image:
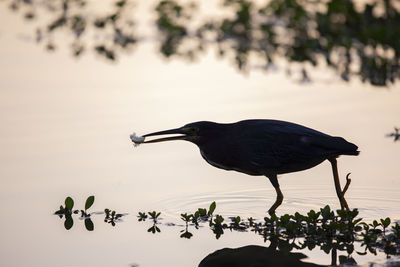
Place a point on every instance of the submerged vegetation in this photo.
(329, 230)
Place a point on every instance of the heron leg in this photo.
(279, 195)
(339, 192)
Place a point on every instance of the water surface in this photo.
(65, 128)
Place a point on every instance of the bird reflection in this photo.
(255, 256)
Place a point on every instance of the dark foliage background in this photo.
(355, 42)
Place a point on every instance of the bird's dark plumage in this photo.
(262, 147)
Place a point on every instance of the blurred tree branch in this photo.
(361, 42)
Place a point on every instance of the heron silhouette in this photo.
(262, 147)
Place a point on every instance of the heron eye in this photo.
(192, 130)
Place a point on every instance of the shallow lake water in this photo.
(64, 131)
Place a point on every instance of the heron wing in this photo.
(285, 147)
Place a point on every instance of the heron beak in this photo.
(182, 135)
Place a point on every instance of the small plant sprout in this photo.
(217, 226)
(211, 209)
(67, 209)
(332, 231)
(112, 216)
(237, 224)
(67, 212)
(137, 140)
(142, 216)
(396, 231)
(61, 211)
(69, 204)
(385, 223)
(251, 221)
(89, 202)
(154, 215)
(186, 217)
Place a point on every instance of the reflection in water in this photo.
(395, 134)
(256, 256)
(154, 216)
(89, 225)
(351, 41)
(67, 211)
(331, 232)
(112, 216)
(69, 221)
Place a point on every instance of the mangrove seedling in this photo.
(89, 202)
(154, 215)
(112, 216)
(142, 216)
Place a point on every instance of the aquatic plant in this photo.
(112, 216)
(325, 228)
(67, 211)
(328, 229)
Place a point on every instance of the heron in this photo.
(262, 147)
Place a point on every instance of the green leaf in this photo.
(69, 203)
(237, 219)
(89, 202)
(375, 224)
(385, 222)
(185, 217)
(354, 213)
(212, 208)
(326, 212)
(202, 212)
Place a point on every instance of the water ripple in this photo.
(372, 203)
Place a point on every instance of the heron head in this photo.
(193, 132)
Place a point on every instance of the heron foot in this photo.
(343, 202)
(340, 193)
(348, 181)
(278, 201)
